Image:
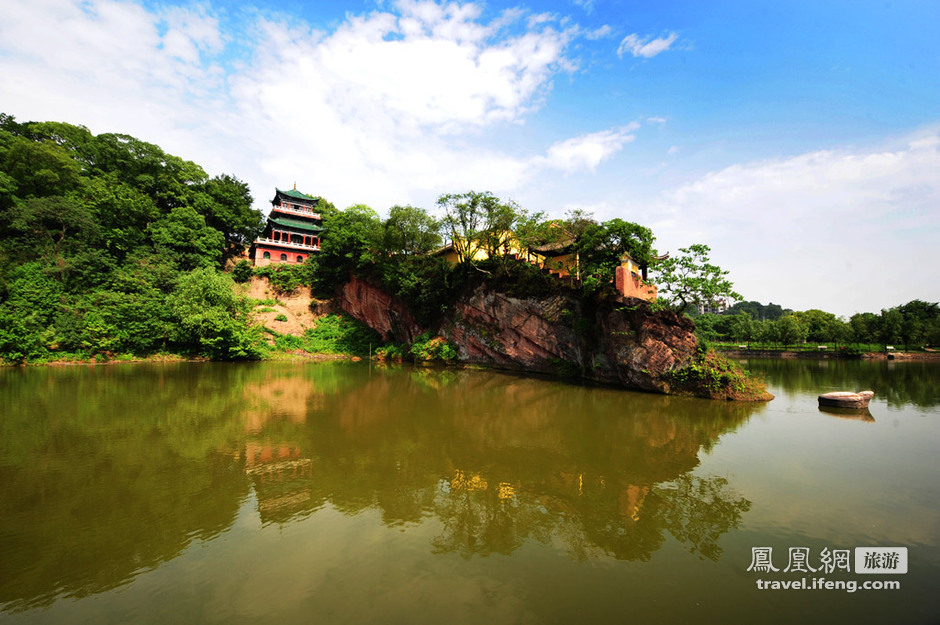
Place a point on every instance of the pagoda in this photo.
(292, 231)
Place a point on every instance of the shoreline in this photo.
(834, 355)
(294, 355)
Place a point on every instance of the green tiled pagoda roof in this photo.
(287, 222)
(294, 193)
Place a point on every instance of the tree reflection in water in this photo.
(108, 472)
(499, 460)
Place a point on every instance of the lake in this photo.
(347, 493)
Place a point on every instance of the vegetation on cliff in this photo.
(711, 375)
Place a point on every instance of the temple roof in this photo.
(297, 195)
(559, 248)
(300, 224)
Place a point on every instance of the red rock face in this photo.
(618, 341)
(385, 314)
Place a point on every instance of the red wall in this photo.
(261, 261)
(630, 285)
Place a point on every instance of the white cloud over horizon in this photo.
(830, 229)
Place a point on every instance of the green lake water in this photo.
(344, 493)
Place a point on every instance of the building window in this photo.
(266, 255)
(283, 256)
(300, 259)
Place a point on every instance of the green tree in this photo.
(918, 318)
(758, 311)
(864, 327)
(121, 210)
(184, 236)
(770, 332)
(464, 220)
(690, 279)
(410, 230)
(705, 327)
(39, 168)
(226, 203)
(602, 247)
(55, 225)
(819, 324)
(840, 331)
(889, 326)
(242, 271)
(210, 318)
(354, 241)
(790, 330)
(744, 329)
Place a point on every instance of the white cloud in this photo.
(391, 103)
(113, 66)
(646, 46)
(828, 229)
(599, 33)
(381, 108)
(587, 5)
(586, 152)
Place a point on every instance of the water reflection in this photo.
(898, 383)
(105, 473)
(851, 414)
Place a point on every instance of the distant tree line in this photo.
(912, 326)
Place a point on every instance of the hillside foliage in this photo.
(110, 245)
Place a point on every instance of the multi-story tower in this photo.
(292, 232)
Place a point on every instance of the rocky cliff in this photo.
(616, 340)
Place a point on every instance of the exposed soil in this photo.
(296, 306)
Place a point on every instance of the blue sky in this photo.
(799, 140)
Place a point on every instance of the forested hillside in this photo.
(110, 245)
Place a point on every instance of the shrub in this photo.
(286, 278)
(712, 375)
(427, 348)
(341, 334)
(392, 353)
(242, 271)
(210, 319)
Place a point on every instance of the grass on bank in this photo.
(840, 348)
(333, 334)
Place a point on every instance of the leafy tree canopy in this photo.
(689, 278)
(95, 233)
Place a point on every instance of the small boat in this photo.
(846, 399)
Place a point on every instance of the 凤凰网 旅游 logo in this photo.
(866, 560)
(814, 568)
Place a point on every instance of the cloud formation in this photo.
(381, 108)
(645, 47)
(586, 152)
(835, 227)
